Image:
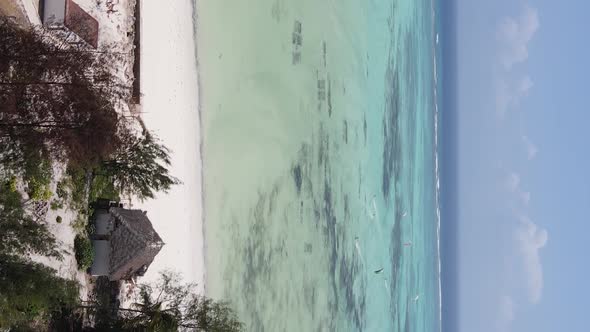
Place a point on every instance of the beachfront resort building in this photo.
(124, 241)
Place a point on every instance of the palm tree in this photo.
(176, 307)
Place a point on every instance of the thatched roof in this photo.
(134, 243)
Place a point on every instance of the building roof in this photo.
(81, 23)
(134, 243)
(67, 13)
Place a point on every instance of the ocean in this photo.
(320, 162)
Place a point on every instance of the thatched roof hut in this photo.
(132, 243)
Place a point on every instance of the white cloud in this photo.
(506, 312)
(530, 240)
(510, 92)
(503, 98)
(525, 197)
(531, 148)
(524, 85)
(513, 182)
(512, 85)
(514, 34)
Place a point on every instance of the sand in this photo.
(170, 108)
(64, 233)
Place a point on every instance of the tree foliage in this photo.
(140, 166)
(19, 233)
(52, 94)
(31, 292)
(171, 305)
(63, 99)
(37, 174)
(83, 251)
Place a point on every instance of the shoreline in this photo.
(435, 34)
(195, 20)
(171, 109)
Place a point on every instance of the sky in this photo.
(523, 182)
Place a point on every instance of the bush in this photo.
(90, 228)
(58, 219)
(84, 188)
(61, 189)
(12, 184)
(38, 190)
(37, 175)
(78, 199)
(56, 205)
(83, 251)
(31, 292)
(80, 223)
(103, 187)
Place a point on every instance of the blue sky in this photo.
(524, 166)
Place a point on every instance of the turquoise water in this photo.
(319, 153)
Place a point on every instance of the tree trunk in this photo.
(40, 83)
(44, 124)
(81, 306)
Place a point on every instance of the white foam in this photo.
(375, 212)
(436, 157)
(358, 250)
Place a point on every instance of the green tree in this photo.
(31, 292)
(19, 233)
(140, 166)
(56, 95)
(171, 305)
(37, 173)
(84, 251)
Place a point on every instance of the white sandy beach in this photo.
(170, 104)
